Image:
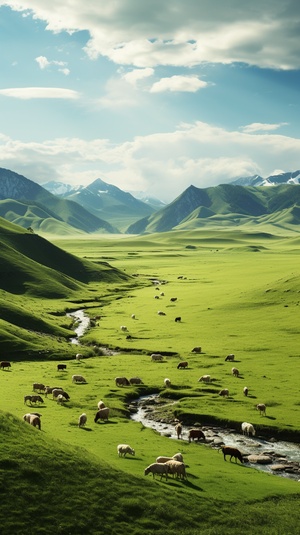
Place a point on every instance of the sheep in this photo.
(78, 357)
(196, 349)
(136, 381)
(175, 457)
(183, 365)
(196, 434)
(102, 414)
(133, 316)
(122, 449)
(245, 390)
(38, 387)
(235, 372)
(121, 381)
(224, 392)
(56, 392)
(261, 407)
(162, 294)
(60, 398)
(178, 429)
(230, 357)
(167, 383)
(32, 419)
(157, 468)
(204, 379)
(177, 468)
(123, 328)
(160, 313)
(248, 429)
(156, 356)
(78, 379)
(233, 452)
(82, 420)
(101, 405)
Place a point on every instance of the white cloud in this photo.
(27, 93)
(261, 127)
(133, 77)
(164, 164)
(189, 84)
(43, 63)
(131, 32)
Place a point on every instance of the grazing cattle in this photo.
(167, 383)
(173, 299)
(102, 414)
(61, 367)
(27, 398)
(37, 399)
(123, 328)
(157, 469)
(101, 405)
(183, 365)
(156, 356)
(82, 420)
(178, 319)
(5, 364)
(176, 468)
(230, 357)
(38, 387)
(160, 313)
(196, 349)
(162, 294)
(60, 398)
(156, 296)
(178, 429)
(245, 390)
(248, 429)
(122, 381)
(233, 452)
(123, 449)
(49, 389)
(235, 372)
(32, 419)
(78, 379)
(224, 393)
(204, 379)
(176, 457)
(196, 434)
(78, 357)
(56, 392)
(136, 381)
(261, 407)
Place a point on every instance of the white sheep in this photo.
(204, 379)
(123, 328)
(245, 390)
(101, 405)
(82, 420)
(261, 407)
(125, 448)
(235, 372)
(156, 356)
(248, 429)
(78, 357)
(133, 316)
(60, 398)
(167, 383)
(157, 468)
(164, 459)
(78, 379)
(177, 468)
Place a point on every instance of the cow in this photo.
(196, 434)
(61, 367)
(122, 381)
(5, 364)
(183, 365)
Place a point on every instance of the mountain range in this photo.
(104, 208)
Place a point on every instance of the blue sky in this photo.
(149, 96)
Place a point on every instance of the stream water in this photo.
(82, 323)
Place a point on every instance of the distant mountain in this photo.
(272, 180)
(155, 203)
(106, 201)
(225, 204)
(27, 204)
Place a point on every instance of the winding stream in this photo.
(82, 322)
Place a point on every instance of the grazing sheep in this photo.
(61, 367)
(196, 434)
(233, 452)
(167, 383)
(162, 294)
(82, 420)
(178, 429)
(122, 381)
(177, 468)
(157, 469)
(123, 449)
(156, 296)
(196, 349)
(235, 372)
(102, 414)
(183, 365)
(78, 357)
(176, 457)
(123, 328)
(5, 364)
(224, 393)
(78, 379)
(245, 390)
(261, 407)
(101, 405)
(60, 398)
(56, 392)
(38, 387)
(230, 357)
(248, 429)
(156, 356)
(161, 313)
(133, 316)
(32, 419)
(136, 381)
(204, 379)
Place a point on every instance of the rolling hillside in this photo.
(27, 204)
(224, 204)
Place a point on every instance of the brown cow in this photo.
(196, 434)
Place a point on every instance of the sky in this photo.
(150, 96)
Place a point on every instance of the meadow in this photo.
(237, 292)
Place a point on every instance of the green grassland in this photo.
(238, 292)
